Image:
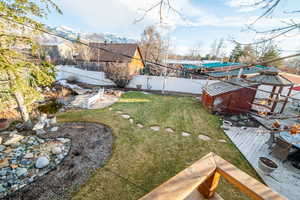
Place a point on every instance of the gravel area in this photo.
(91, 148)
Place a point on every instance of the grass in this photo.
(145, 158)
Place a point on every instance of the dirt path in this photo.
(91, 147)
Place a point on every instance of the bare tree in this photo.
(162, 6)
(269, 7)
(152, 45)
(195, 51)
(217, 49)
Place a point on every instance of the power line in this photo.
(155, 63)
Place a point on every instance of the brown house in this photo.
(116, 53)
(232, 97)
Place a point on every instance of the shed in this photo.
(271, 77)
(234, 96)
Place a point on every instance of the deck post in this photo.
(286, 99)
(272, 94)
(276, 100)
(208, 188)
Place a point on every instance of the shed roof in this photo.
(229, 86)
(235, 72)
(270, 77)
(117, 48)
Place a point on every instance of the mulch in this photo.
(91, 148)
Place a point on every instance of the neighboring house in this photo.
(58, 51)
(235, 96)
(117, 53)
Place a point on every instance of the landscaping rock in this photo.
(54, 129)
(125, 116)
(13, 138)
(4, 163)
(223, 141)
(155, 128)
(42, 162)
(131, 121)
(170, 130)
(140, 125)
(2, 148)
(40, 131)
(21, 172)
(119, 112)
(204, 137)
(185, 134)
(28, 155)
(110, 109)
(52, 120)
(56, 150)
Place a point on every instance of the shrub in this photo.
(118, 73)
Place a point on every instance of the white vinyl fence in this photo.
(172, 84)
(84, 76)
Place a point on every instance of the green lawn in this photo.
(146, 158)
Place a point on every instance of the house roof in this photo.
(229, 86)
(270, 77)
(117, 48)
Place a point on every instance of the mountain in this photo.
(73, 34)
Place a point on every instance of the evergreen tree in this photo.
(270, 54)
(236, 53)
(19, 75)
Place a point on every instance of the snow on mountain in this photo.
(73, 34)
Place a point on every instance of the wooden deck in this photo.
(251, 142)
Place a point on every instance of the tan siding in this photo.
(136, 64)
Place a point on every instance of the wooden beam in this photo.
(244, 182)
(202, 178)
(276, 100)
(286, 99)
(208, 188)
(181, 186)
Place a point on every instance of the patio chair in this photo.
(281, 149)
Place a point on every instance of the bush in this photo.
(118, 73)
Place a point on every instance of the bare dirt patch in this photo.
(91, 148)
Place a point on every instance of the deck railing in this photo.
(200, 181)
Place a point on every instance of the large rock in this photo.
(13, 139)
(42, 162)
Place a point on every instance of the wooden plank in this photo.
(208, 188)
(244, 182)
(184, 183)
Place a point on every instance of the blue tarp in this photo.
(219, 64)
(189, 66)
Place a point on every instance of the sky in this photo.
(199, 23)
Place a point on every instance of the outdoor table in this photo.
(292, 139)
